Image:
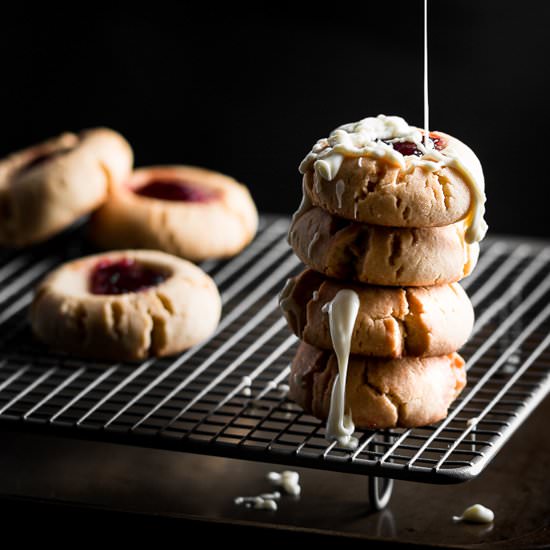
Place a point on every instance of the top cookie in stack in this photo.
(383, 206)
(380, 208)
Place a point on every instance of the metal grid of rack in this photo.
(200, 401)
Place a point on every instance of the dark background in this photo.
(248, 93)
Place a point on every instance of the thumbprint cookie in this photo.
(190, 212)
(391, 322)
(125, 305)
(47, 187)
(380, 393)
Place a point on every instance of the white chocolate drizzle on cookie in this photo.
(373, 137)
(342, 312)
(340, 188)
(312, 243)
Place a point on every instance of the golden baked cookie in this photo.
(126, 305)
(47, 187)
(408, 392)
(191, 212)
(381, 255)
(392, 322)
(373, 191)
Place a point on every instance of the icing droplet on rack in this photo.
(472, 421)
(246, 381)
(342, 312)
(283, 389)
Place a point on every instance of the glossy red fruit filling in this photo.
(175, 190)
(408, 148)
(126, 275)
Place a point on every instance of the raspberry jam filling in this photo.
(175, 190)
(408, 148)
(126, 275)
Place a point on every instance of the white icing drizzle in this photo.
(368, 137)
(283, 389)
(427, 141)
(472, 421)
(342, 312)
(288, 480)
(246, 381)
(340, 188)
(266, 501)
(312, 243)
(476, 514)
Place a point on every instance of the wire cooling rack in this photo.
(200, 400)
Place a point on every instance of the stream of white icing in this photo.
(476, 514)
(342, 312)
(373, 137)
(427, 141)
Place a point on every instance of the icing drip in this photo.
(476, 514)
(265, 501)
(340, 187)
(312, 243)
(375, 137)
(342, 312)
(288, 480)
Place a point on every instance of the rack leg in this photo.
(380, 490)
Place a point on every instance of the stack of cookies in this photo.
(394, 222)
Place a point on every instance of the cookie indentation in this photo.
(409, 149)
(44, 158)
(124, 276)
(175, 190)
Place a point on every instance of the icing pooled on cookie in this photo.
(391, 139)
(342, 312)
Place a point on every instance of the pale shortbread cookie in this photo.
(174, 315)
(381, 255)
(373, 191)
(196, 230)
(392, 322)
(408, 392)
(47, 187)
